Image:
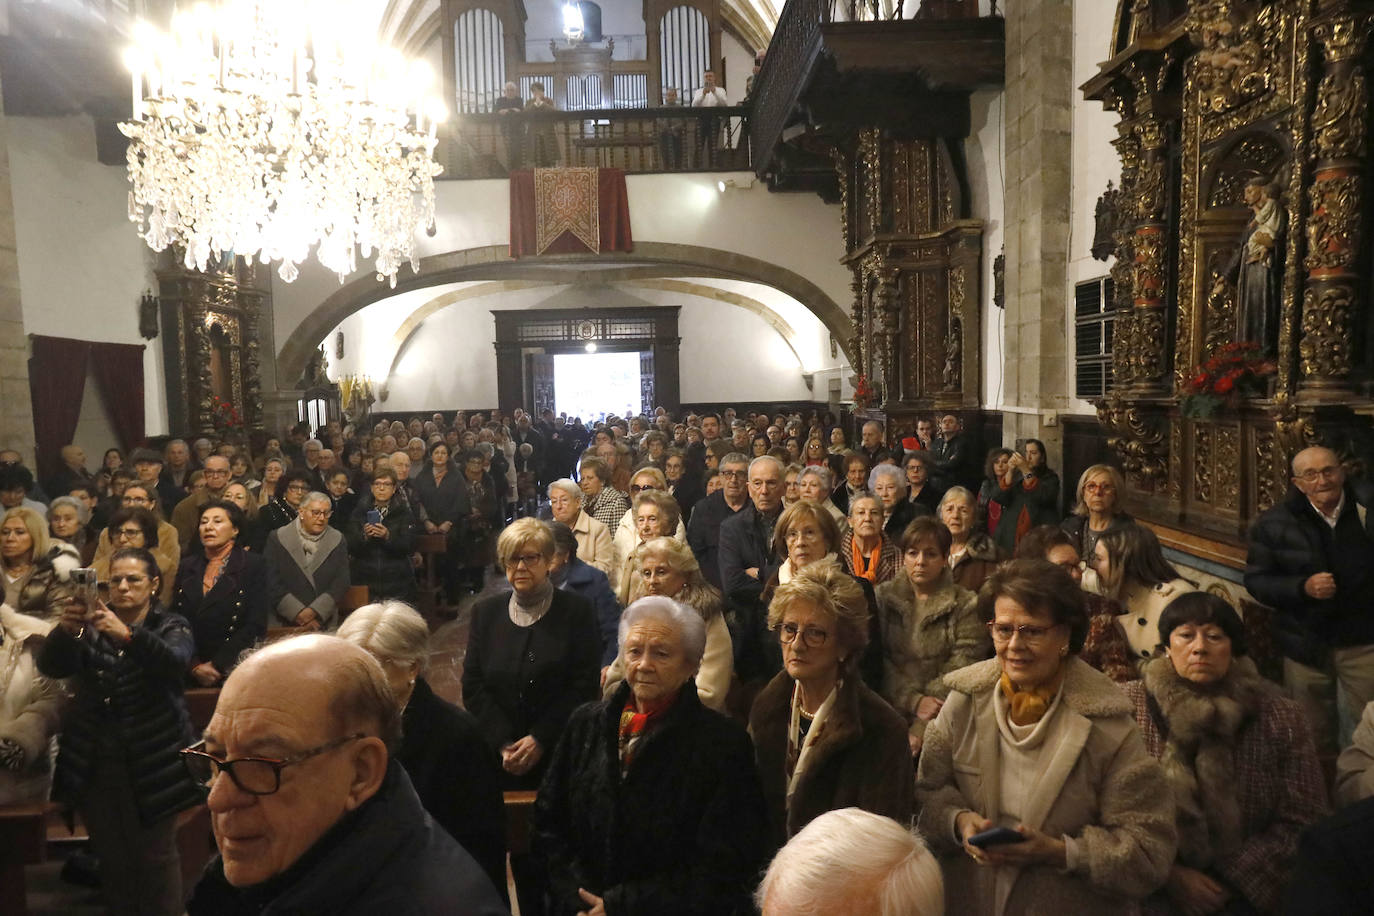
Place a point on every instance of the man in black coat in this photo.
(951, 458)
(336, 828)
(748, 562)
(1311, 558)
(703, 529)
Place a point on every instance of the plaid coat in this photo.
(1278, 786)
(889, 558)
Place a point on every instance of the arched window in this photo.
(479, 58)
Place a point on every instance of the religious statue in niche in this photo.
(1257, 267)
(315, 375)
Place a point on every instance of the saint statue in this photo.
(1257, 267)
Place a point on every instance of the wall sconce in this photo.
(147, 315)
(728, 183)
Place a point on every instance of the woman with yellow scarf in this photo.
(1034, 781)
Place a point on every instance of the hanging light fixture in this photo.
(573, 25)
(268, 127)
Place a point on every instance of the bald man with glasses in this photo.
(310, 812)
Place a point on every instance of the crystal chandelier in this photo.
(266, 127)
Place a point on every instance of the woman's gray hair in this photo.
(853, 861)
(487, 449)
(956, 493)
(887, 470)
(689, 624)
(83, 514)
(315, 496)
(569, 486)
(392, 631)
(820, 473)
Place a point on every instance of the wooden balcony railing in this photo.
(636, 140)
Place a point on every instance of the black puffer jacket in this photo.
(1286, 548)
(684, 832)
(130, 695)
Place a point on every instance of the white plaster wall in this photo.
(82, 267)
(451, 362)
(739, 63)
(1094, 160)
(984, 150)
(794, 231)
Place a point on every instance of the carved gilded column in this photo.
(1149, 244)
(1332, 293)
(886, 317)
(858, 345)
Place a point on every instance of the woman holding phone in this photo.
(1042, 754)
(1030, 500)
(381, 538)
(117, 759)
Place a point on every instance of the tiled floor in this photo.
(48, 895)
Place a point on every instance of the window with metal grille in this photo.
(1094, 316)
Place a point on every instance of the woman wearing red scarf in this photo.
(651, 803)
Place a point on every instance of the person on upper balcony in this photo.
(709, 95)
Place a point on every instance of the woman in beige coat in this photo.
(1037, 741)
(930, 627)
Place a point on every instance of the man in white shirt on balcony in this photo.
(709, 95)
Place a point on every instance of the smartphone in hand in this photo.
(374, 516)
(87, 586)
(996, 836)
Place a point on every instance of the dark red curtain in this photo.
(57, 377)
(118, 370)
(613, 215)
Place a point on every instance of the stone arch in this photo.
(649, 260)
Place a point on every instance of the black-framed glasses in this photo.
(813, 637)
(254, 775)
(1030, 635)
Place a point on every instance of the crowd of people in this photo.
(706, 643)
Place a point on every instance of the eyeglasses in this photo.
(254, 775)
(734, 475)
(316, 513)
(528, 560)
(1100, 487)
(137, 501)
(636, 488)
(123, 533)
(297, 486)
(812, 637)
(1030, 635)
(1311, 474)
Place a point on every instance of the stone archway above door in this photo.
(649, 260)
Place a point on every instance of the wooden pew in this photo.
(23, 841)
(519, 814)
(432, 547)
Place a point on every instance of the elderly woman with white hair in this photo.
(656, 514)
(854, 862)
(455, 774)
(310, 561)
(815, 483)
(667, 567)
(888, 483)
(972, 554)
(67, 521)
(651, 803)
(594, 544)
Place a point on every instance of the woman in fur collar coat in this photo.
(1238, 756)
(930, 627)
(822, 739)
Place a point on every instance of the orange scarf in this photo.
(1029, 706)
(869, 572)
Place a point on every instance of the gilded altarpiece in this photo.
(210, 343)
(1242, 124)
(916, 264)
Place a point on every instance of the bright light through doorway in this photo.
(592, 384)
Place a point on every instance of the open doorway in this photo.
(591, 384)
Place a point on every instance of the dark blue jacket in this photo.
(388, 857)
(591, 583)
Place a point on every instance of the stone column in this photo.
(1332, 294)
(16, 403)
(1039, 101)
